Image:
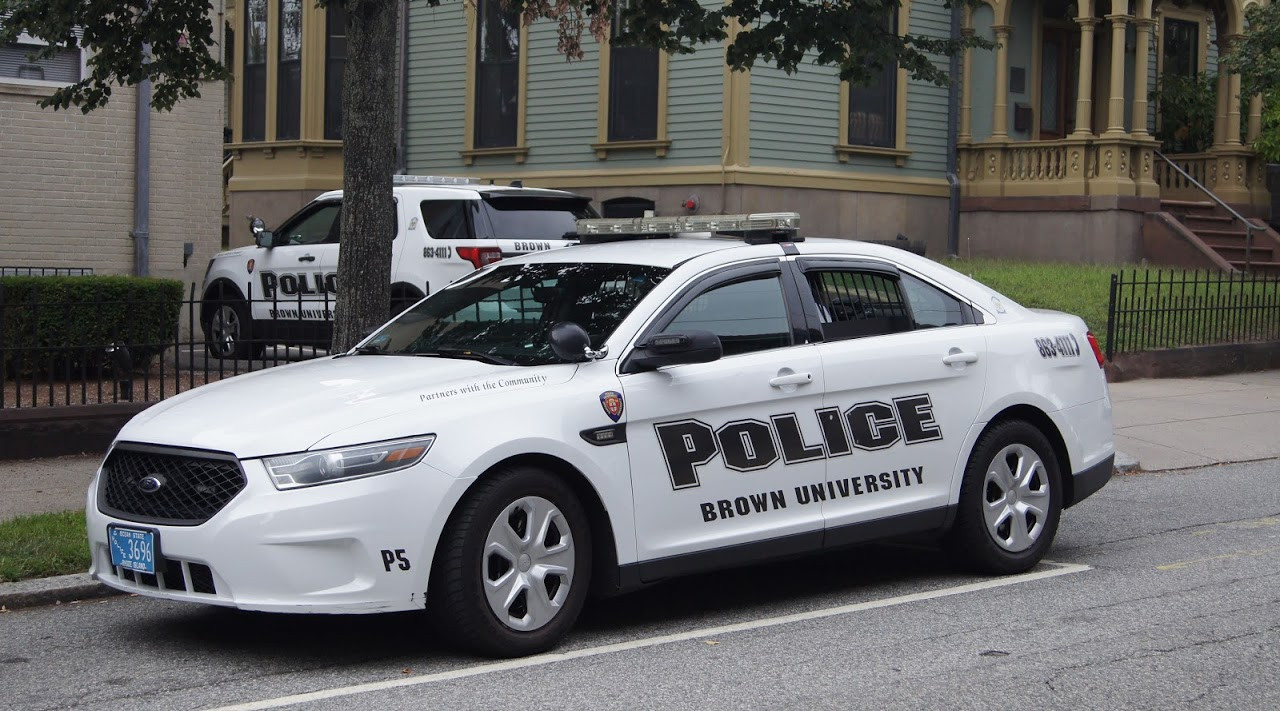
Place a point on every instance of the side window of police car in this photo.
(448, 219)
(930, 307)
(748, 315)
(857, 304)
(316, 226)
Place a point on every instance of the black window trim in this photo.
(712, 279)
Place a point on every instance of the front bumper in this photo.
(321, 549)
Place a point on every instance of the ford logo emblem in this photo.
(151, 484)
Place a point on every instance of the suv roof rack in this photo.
(754, 228)
(432, 180)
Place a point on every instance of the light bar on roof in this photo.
(432, 180)
(690, 223)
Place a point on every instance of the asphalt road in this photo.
(1163, 593)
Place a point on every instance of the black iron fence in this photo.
(1174, 308)
(46, 271)
(44, 362)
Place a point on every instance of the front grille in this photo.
(192, 485)
(172, 579)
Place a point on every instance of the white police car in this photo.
(609, 415)
(282, 290)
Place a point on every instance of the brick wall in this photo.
(67, 181)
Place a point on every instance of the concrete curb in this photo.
(52, 591)
(1126, 464)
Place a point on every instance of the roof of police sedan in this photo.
(669, 253)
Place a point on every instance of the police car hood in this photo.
(292, 408)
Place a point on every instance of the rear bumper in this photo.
(1089, 480)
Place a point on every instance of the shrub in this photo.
(1187, 106)
(65, 324)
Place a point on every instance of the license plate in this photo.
(132, 549)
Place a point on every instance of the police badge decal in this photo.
(611, 401)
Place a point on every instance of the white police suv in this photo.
(600, 417)
(282, 290)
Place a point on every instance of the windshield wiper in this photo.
(466, 354)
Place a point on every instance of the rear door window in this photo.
(535, 217)
(449, 219)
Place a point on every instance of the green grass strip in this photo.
(42, 545)
(1079, 289)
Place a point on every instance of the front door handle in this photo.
(306, 258)
(791, 379)
(958, 356)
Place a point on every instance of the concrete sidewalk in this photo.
(1170, 423)
(1175, 423)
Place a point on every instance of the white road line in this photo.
(1055, 569)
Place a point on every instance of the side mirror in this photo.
(675, 349)
(256, 225)
(265, 238)
(570, 341)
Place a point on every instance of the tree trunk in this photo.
(368, 154)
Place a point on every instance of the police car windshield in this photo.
(505, 314)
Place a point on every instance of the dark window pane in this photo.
(515, 217)
(289, 81)
(858, 304)
(1181, 54)
(633, 88)
(497, 81)
(633, 94)
(254, 111)
(747, 315)
(335, 63)
(873, 108)
(447, 219)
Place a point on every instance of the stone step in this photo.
(1188, 205)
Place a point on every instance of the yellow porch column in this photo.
(1115, 106)
(966, 82)
(1232, 137)
(1145, 23)
(1084, 83)
(1000, 120)
(1220, 115)
(1255, 118)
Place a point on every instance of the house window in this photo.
(64, 67)
(335, 63)
(289, 71)
(1180, 51)
(497, 81)
(873, 107)
(254, 126)
(633, 87)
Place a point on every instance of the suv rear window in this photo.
(536, 217)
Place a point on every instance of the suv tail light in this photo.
(1097, 350)
(480, 256)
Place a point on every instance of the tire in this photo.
(229, 331)
(513, 566)
(1010, 500)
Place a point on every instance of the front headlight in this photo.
(291, 471)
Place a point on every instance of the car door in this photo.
(905, 370)
(298, 279)
(717, 449)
